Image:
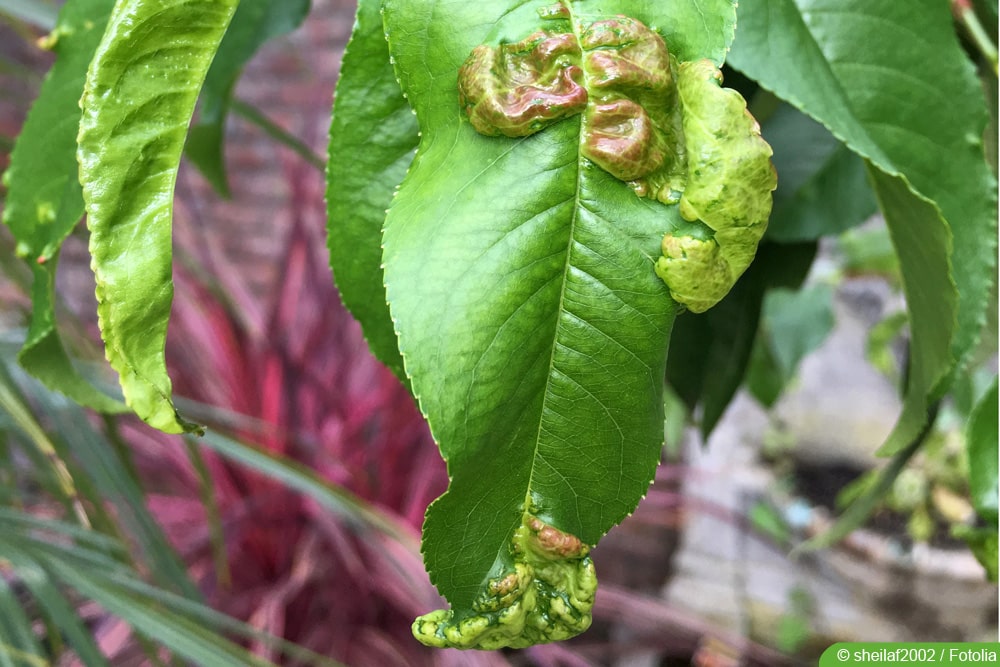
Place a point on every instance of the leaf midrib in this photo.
(567, 265)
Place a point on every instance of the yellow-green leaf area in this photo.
(139, 96)
(729, 183)
(547, 597)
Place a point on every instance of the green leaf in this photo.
(373, 135)
(730, 179)
(981, 439)
(870, 493)
(17, 638)
(822, 186)
(984, 542)
(296, 476)
(140, 94)
(890, 79)
(709, 352)
(45, 202)
(793, 324)
(797, 322)
(923, 245)
(254, 23)
(89, 563)
(56, 607)
(43, 354)
(869, 251)
(533, 328)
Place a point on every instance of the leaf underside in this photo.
(520, 277)
(885, 77)
(139, 97)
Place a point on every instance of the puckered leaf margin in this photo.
(520, 281)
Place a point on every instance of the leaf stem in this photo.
(966, 17)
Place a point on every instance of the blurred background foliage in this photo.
(290, 533)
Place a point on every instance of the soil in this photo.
(821, 484)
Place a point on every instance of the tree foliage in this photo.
(571, 181)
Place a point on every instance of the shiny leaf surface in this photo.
(139, 97)
(521, 285)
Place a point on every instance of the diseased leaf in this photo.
(373, 135)
(532, 325)
(891, 79)
(729, 185)
(45, 201)
(254, 23)
(139, 97)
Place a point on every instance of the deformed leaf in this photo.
(667, 129)
(139, 97)
(519, 274)
(729, 185)
(548, 597)
(45, 200)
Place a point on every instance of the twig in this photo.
(974, 30)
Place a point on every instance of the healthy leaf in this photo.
(533, 328)
(923, 245)
(254, 23)
(793, 324)
(45, 202)
(91, 563)
(797, 322)
(891, 80)
(981, 439)
(17, 638)
(709, 352)
(373, 135)
(140, 94)
(984, 543)
(823, 188)
(869, 496)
